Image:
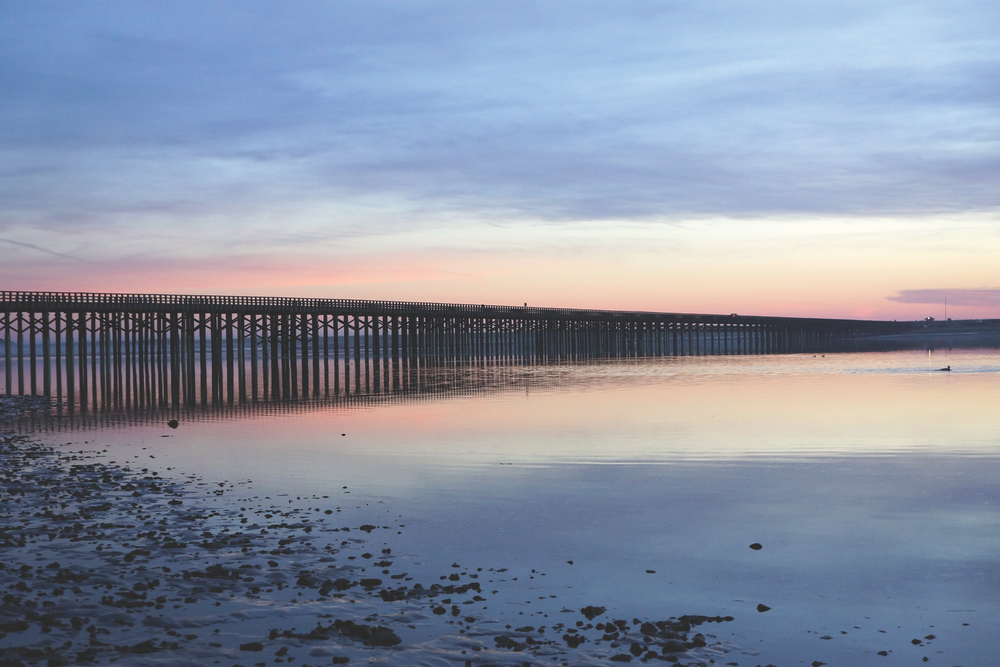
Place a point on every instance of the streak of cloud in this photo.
(986, 298)
(32, 246)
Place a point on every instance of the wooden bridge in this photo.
(113, 351)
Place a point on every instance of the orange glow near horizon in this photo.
(835, 269)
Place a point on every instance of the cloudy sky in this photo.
(776, 158)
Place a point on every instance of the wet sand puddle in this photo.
(102, 563)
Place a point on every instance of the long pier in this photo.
(117, 351)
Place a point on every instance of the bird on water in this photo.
(946, 368)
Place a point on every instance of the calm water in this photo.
(871, 480)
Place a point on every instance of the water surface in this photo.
(869, 479)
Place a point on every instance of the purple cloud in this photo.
(559, 110)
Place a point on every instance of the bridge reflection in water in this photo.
(113, 352)
(424, 383)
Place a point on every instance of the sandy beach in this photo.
(105, 563)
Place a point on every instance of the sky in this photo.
(819, 159)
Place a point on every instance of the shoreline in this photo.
(961, 333)
(966, 339)
(101, 562)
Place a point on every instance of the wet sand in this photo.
(13, 407)
(104, 563)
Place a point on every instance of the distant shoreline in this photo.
(963, 332)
